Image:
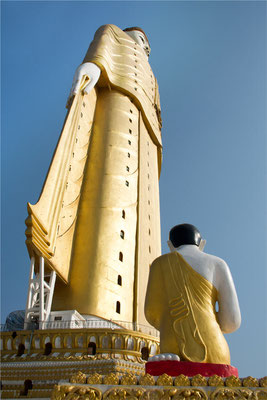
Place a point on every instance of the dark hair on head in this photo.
(185, 234)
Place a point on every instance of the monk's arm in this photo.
(229, 316)
(154, 295)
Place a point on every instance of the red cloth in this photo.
(175, 368)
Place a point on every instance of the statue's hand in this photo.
(92, 71)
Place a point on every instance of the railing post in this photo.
(41, 275)
(30, 294)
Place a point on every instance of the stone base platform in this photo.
(114, 386)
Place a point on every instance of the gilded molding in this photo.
(190, 394)
(259, 395)
(79, 393)
(181, 380)
(238, 394)
(250, 382)
(215, 380)
(119, 394)
(155, 394)
(95, 379)
(246, 393)
(164, 380)
(233, 381)
(227, 394)
(147, 380)
(129, 379)
(75, 393)
(263, 381)
(79, 377)
(198, 380)
(39, 339)
(83, 392)
(111, 379)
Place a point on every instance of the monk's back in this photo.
(182, 292)
(189, 323)
(207, 265)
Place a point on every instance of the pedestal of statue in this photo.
(175, 368)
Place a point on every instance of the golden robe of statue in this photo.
(180, 303)
(102, 180)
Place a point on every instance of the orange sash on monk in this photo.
(185, 311)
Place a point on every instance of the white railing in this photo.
(98, 324)
(92, 324)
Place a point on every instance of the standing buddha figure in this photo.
(100, 229)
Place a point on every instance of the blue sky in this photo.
(210, 62)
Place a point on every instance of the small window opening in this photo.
(126, 183)
(81, 115)
(148, 202)
(79, 127)
(27, 386)
(127, 168)
(149, 248)
(119, 280)
(130, 120)
(130, 131)
(122, 234)
(123, 214)
(129, 142)
(21, 350)
(121, 256)
(91, 351)
(48, 349)
(118, 307)
(129, 155)
(145, 353)
(131, 111)
(149, 217)
(149, 231)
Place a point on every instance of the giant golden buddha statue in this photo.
(183, 289)
(97, 221)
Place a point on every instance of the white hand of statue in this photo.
(87, 69)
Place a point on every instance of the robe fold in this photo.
(181, 304)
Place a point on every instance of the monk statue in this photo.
(183, 289)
